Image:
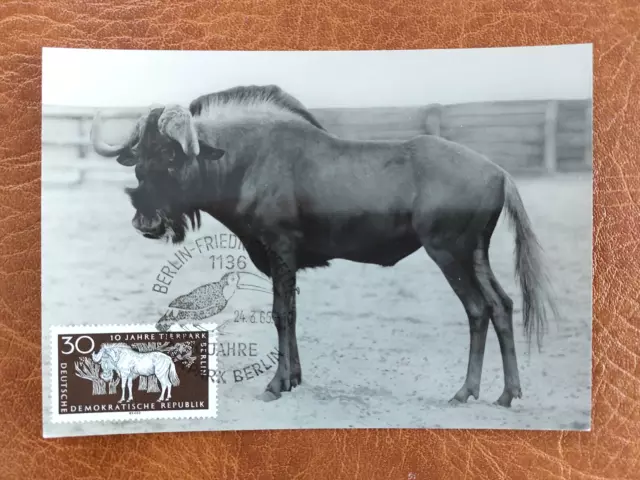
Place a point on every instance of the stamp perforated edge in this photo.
(123, 417)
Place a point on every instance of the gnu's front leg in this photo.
(283, 274)
(130, 384)
(123, 384)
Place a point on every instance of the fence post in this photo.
(433, 120)
(550, 137)
(588, 131)
(82, 146)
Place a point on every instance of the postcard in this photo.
(302, 240)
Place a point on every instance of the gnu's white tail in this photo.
(173, 376)
(534, 282)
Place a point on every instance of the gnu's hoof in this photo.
(281, 383)
(507, 396)
(463, 395)
(269, 396)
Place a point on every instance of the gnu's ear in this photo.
(176, 122)
(127, 158)
(210, 153)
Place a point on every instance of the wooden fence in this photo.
(521, 136)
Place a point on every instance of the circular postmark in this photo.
(212, 279)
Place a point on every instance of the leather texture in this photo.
(610, 450)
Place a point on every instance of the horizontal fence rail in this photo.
(521, 136)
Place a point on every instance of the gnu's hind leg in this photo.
(163, 388)
(501, 317)
(296, 370)
(164, 385)
(459, 272)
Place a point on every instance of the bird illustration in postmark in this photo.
(210, 299)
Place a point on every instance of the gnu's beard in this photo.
(176, 227)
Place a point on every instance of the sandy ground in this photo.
(379, 347)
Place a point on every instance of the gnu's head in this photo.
(106, 364)
(165, 150)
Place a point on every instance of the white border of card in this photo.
(380, 239)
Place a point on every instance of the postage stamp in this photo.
(131, 372)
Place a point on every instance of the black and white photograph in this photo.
(366, 239)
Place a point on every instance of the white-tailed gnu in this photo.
(297, 197)
(130, 364)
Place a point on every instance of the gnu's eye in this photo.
(171, 154)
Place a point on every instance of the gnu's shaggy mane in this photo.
(256, 98)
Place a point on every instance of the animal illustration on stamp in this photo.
(130, 364)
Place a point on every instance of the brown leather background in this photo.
(611, 450)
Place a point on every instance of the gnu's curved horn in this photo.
(97, 356)
(176, 122)
(107, 150)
